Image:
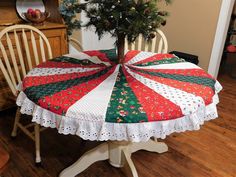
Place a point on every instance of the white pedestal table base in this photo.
(118, 153)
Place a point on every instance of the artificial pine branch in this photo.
(68, 10)
(127, 17)
(120, 18)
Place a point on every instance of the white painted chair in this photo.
(21, 48)
(74, 45)
(158, 44)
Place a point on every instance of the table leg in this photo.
(97, 154)
(118, 153)
(129, 169)
(151, 146)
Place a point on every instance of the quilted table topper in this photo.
(149, 95)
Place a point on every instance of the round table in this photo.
(89, 95)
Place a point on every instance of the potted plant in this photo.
(121, 18)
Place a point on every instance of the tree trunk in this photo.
(121, 47)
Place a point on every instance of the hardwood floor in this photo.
(209, 152)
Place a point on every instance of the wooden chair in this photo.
(75, 45)
(158, 44)
(21, 48)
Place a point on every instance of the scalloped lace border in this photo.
(103, 131)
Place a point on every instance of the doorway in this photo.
(228, 62)
(220, 37)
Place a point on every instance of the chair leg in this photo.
(36, 137)
(16, 121)
(37, 144)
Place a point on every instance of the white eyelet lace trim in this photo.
(103, 131)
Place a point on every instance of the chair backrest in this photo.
(75, 44)
(21, 48)
(158, 44)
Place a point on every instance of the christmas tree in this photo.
(124, 19)
(68, 10)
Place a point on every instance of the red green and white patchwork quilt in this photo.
(88, 94)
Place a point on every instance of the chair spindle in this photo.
(42, 49)
(27, 51)
(34, 45)
(18, 48)
(13, 58)
(8, 65)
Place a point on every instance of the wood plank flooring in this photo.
(209, 152)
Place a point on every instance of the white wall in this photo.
(90, 40)
(191, 27)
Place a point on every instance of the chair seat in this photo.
(4, 158)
